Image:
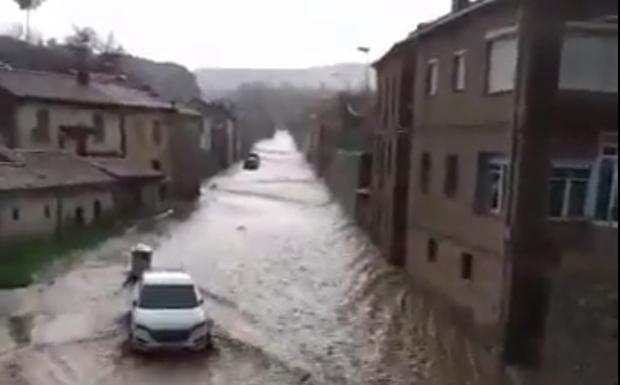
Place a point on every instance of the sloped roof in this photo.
(44, 169)
(124, 168)
(64, 87)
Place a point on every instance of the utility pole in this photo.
(531, 255)
(366, 51)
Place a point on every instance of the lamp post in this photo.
(366, 51)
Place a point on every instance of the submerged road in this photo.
(297, 293)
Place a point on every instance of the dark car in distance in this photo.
(252, 162)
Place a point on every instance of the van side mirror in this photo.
(201, 301)
(134, 303)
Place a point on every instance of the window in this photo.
(568, 192)
(497, 178)
(47, 212)
(432, 77)
(156, 165)
(79, 217)
(492, 184)
(502, 65)
(606, 206)
(156, 132)
(41, 133)
(431, 250)
(467, 266)
(97, 210)
(168, 297)
(99, 127)
(451, 182)
(459, 71)
(15, 214)
(425, 172)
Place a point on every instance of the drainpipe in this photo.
(530, 254)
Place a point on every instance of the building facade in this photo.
(391, 150)
(51, 111)
(220, 139)
(465, 70)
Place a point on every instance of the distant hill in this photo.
(216, 82)
(171, 81)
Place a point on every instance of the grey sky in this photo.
(238, 33)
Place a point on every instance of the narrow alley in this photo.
(296, 292)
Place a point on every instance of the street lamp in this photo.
(366, 51)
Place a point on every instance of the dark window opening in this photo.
(156, 165)
(47, 212)
(425, 172)
(451, 182)
(467, 266)
(16, 214)
(156, 132)
(492, 184)
(97, 210)
(79, 217)
(432, 249)
(41, 133)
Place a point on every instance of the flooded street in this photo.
(296, 292)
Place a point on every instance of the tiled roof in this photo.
(44, 169)
(124, 168)
(64, 87)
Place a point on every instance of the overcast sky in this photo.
(237, 33)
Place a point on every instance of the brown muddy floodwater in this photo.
(297, 294)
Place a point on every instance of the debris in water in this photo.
(20, 328)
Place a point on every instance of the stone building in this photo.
(53, 111)
(391, 148)
(45, 193)
(462, 168)
(220, 139)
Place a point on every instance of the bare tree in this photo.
(28, 5)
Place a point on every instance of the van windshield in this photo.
(168, 297)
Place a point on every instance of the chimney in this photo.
(83, 77)
(459, 5)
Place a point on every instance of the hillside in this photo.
(171, 81)
(216, 82)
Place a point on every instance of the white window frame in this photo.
(432, 77)
(506, 36)
(459, 77)
(502, 163)
(570, 181)
(609, 140)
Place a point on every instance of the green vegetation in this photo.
(22, 260)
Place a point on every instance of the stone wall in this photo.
(342, 176)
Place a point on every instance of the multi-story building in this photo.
(465, 142)
(391, 146)
(45, 193)
(73, 113)
(220, 139)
